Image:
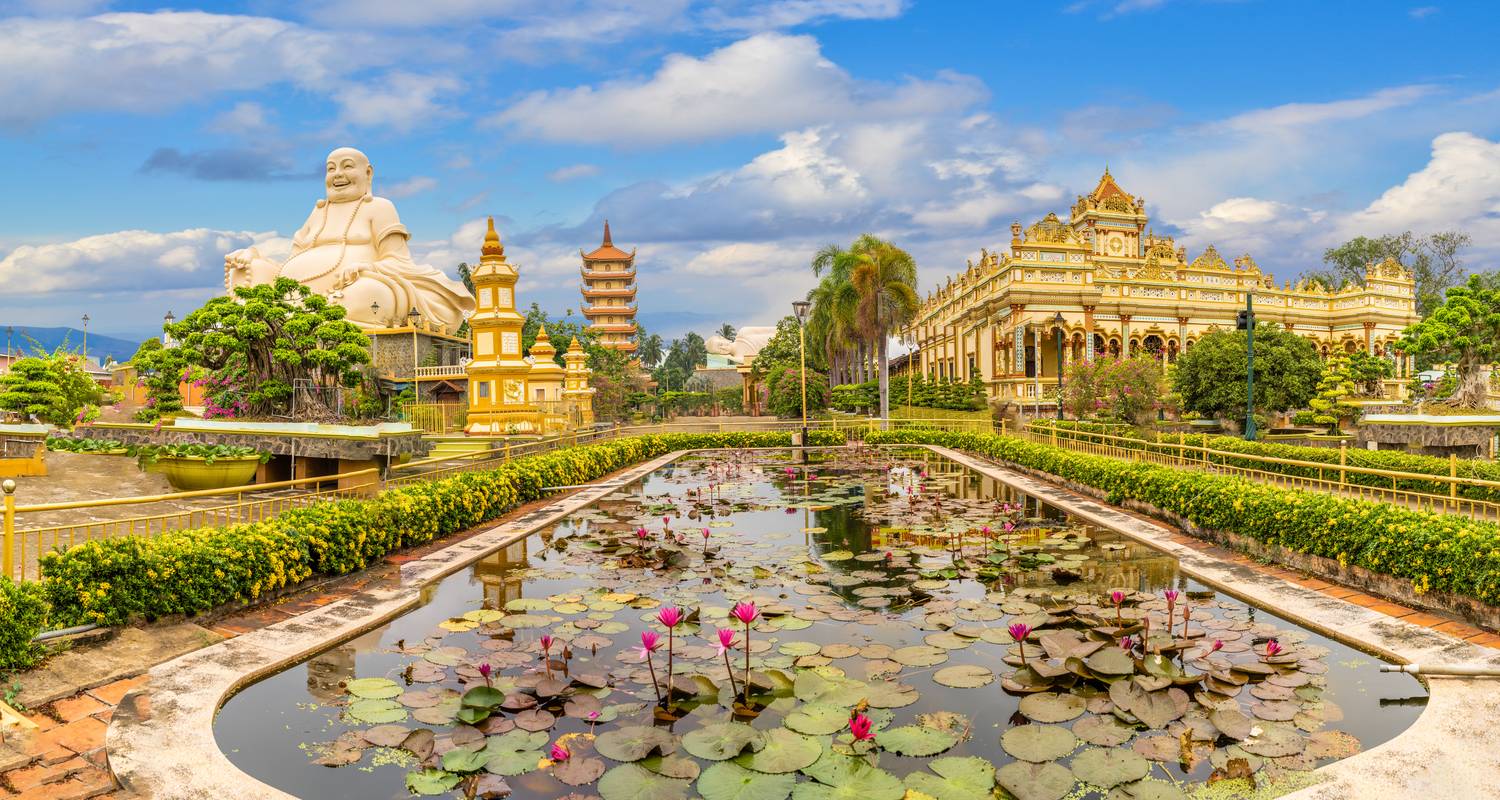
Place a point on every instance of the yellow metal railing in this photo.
(434, 417)
(24, 543)
(1332, 478)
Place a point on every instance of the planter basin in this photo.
(190, 474)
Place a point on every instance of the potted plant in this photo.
(194, 467)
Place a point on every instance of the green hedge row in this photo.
(1393, 460)
(1435, 552)
(111, 581)
(23, 612)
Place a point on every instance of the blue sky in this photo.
(725, 139)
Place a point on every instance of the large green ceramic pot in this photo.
(191, 474)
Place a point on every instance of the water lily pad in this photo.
(1274, 741)
(784, 751)
(634, 782)
(373, 688)
(1027, 781)
(912, 740)
(375, 712)
(514, 752)
(957, 778)
(1111, 661)
(728, 781)
(724, 740)
(842, 777)
(964, 676)
(919, 656)
(1109, 767)
(431, 782)
(817, 719)
(1038, 743)
(464, 759)
(483, 697)
(1332, 744)
(635, 743)
(578, 771)
(1052, 707)
(1148, 789)
(1231, 722)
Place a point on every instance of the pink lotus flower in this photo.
(1218, 645)
(559, 753)
(726, 640)
(484, 672)
(1127, 643)
(665, 521)
(1117, 597)
(650, 643)
(1272, 648)
(745, 612)
(640, 533)
(1018, 632)
(671, 616)
(705, 534)
(862, 727)
(546, 642)
(1171, 595)
(1009, 526)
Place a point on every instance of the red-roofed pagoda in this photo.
(609, 294)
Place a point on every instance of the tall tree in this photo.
(830, 324)
(1434, 262)
(727, 331)
(885, 279)
(649, 349)
(1464, 330)
(1210, 378)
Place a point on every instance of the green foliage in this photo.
(267, 338)
(944, 394)
(148, 454)
(1464, 330)
(560, 331)
(1210, 377)
(24, 608)
(1123, 388)
(70, 445)
(53, 388)
(110, 581)
(1367, 372)
(784, 392)
(1389, 460)
(1435, 552)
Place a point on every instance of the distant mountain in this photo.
(28, 338)
(673, 324)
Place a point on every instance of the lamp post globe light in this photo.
(800, 308)
(1057, 333)
(85, 335)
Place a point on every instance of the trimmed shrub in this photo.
(111, 581)
(24, 612)
(1435, 552)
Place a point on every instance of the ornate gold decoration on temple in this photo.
(609, 294)
(1122, 289)
(510, 393)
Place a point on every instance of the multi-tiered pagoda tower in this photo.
(609, 294)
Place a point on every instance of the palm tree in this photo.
(885, 279)
(649, 349)
(727, 331)
(834, 300)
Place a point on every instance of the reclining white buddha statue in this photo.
(352, 250)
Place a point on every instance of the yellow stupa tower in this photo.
(544, 384)
(498, 373)
(577, 392)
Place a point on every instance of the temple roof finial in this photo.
(492, 245)
(607, 240)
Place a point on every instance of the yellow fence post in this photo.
(7, 563)
(507, 449)
(1453, 473)
(1343, 462)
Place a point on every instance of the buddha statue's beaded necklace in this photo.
(343, 241)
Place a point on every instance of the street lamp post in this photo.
(166, 325)
(800, 308)
(414, 316)
(1057, 333)
(1246, 322)
(9, 329)
(85, 335)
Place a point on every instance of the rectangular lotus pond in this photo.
(890, 591)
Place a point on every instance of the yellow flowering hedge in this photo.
(1435, 552)
(23, 612)
(111, 581)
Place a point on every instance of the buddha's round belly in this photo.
(316, 267)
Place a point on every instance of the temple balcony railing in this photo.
(443, 371)
(597, 275)
(606, 311)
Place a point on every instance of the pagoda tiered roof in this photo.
(607, 250)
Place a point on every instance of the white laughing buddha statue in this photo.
(352, 250)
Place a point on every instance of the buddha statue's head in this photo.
(347, 175)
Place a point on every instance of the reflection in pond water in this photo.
(892, 588)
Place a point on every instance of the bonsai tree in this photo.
(1465, 331)
(1331, 406)
(52, 388)
(1210, 378)
(273, 343)
(1367, 372)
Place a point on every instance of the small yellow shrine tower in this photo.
(544, 384)
(576, 389)
(497, 374)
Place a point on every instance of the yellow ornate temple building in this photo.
(509, 393)
(1105, 284)
(609, 294)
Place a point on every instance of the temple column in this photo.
(1124, 336)
(1370, 338)
(1088, 333)
(1018, 366)
(986, 359)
